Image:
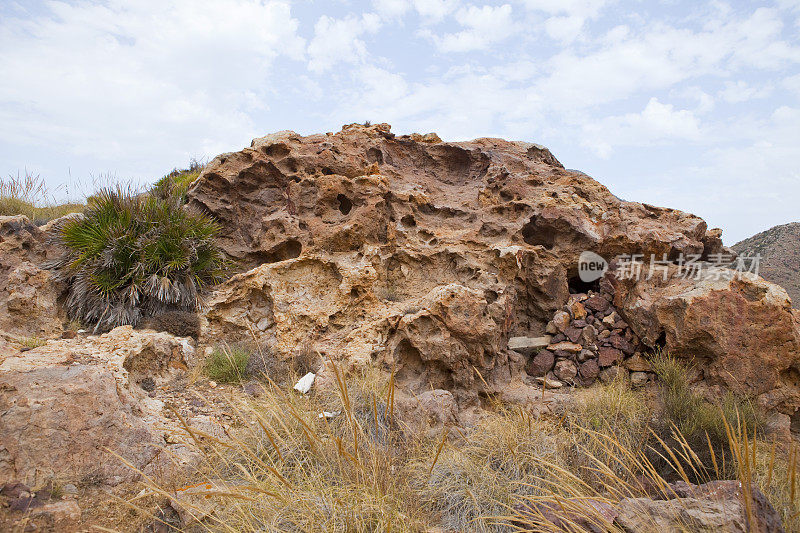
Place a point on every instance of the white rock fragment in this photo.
(329, 414)
(303, 385)
(549, 383)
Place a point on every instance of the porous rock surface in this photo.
(73, 407)
(739, 330)
(423, 255)
(28, 295)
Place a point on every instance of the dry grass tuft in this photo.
(29, 196)
(337, 459)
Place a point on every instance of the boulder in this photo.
(541, 363)
(737, 328)
(72, 408)
(566, 370)
(28, 294)
(608, 356)
(715, 506)
(70, 421)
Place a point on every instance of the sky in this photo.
(686, 104)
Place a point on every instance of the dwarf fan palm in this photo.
(134, 255)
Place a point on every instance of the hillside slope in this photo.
(780, 256)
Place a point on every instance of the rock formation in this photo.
(73, 407)
(452, 265)
(422, 255)
(28, 296)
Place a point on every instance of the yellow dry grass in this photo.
(289, 467)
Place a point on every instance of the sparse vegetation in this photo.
(33, 342)
(135, 255)
(290, 467)
(701, 423)
(29, 196)
(174, 185)
(228, 364)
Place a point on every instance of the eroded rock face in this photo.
(70, 407)
(28, 294)
(420, 254)
(739, 329)
(714, 506)
(59, 420)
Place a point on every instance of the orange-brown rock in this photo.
(423, 255)
(737, 328)
(28, 295)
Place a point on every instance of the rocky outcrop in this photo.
(422, 255)
(738, 329)
(28, 294)
(714, 506)
(72, 408)
(64, 420)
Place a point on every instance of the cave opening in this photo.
(578, 286)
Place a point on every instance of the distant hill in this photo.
(780, 256)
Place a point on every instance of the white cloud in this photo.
(435, 10)
(430, 11)
(391, 8)
(564, 28)
(337, 40)
(125, 81)
(741, 91)
(660, 56)
(568, 16)
(584, 8)
(484, 26)
(657, 123)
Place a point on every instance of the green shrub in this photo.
(699, 423)
(175, 184)
(227, 364)
(135, 255)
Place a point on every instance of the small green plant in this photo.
(175, 184)
(136, 255)
(227, 364)
(701, 424)
(33, 342)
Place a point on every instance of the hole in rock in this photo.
(418, 374)
(795, 425)
(374, 155)
(661, 342)
(577, 285)
(290, 249)
(536, 233)
(276, 150)
(345, 205)
(408, 221)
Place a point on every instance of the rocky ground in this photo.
(453, 266)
